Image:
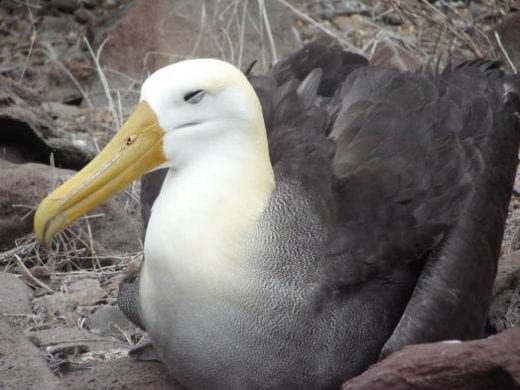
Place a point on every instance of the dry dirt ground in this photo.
(80, 64)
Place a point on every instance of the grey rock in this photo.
(121, 212)
(66, 95)
(56, 306)
(144, 350)
(67, 6)
(69, 349)
(109, 321)
(86, 292)
(70, 339)
(111, 3)
(83, 15)
(353, 7)
(55, 25)
(393, 19)
(22, 365)
(29, 135)
(61, 110)
(15, 296)
(90, 3)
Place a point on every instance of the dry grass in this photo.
(443, 31)
(117, 115)
(32, 40)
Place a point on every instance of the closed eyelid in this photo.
(194, 96)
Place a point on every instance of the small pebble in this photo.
(89, 3)
(67, 6)
(111, 4)
(83, 15)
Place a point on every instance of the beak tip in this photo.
(111, 171)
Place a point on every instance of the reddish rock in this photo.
(36, 272)
(142, 38)
(25, 185)
(121, 374)
(146, 38)
(492, 363)
(504, 312)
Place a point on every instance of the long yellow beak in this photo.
(135, 150)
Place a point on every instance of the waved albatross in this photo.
(311, 220)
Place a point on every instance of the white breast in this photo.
(194, 242)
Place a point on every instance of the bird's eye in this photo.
(194, 97)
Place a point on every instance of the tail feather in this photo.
(308, 89)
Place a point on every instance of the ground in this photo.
(82, 63)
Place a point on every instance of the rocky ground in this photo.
(69, 72)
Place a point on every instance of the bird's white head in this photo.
(203, 105)
(191, 111)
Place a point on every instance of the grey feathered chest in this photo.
(276, 325)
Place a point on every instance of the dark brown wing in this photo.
(298, 125)
(452, 296)
(422, 171)
(418, 168)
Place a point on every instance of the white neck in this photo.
(204, 208)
